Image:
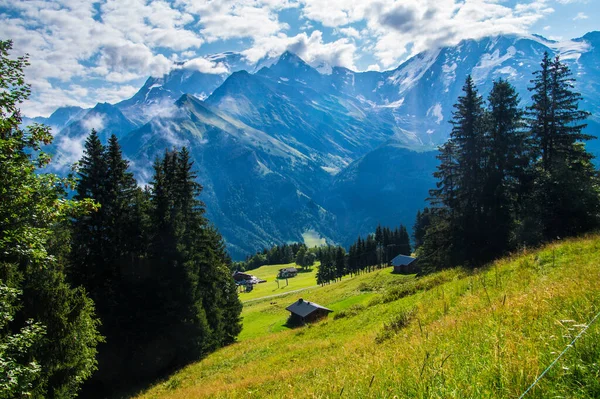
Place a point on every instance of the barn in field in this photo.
(405, 265)
(303, 311)
(241, 276)
(287, 272)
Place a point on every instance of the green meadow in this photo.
(486, 333)
(304, 279)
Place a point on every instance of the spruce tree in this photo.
(300, 257)
(566, 183)
(505, 147)
(340, 263)
(468, 137)
(90, 239)
(422, 222)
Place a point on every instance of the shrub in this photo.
(351, 311)
(397, 323)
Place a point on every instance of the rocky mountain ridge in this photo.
(285, 149)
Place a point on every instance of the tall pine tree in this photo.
(566, 183)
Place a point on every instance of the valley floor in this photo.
(454, 334)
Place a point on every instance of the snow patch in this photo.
(413, 70)
(510, 71)
(395, 104)
(324, 69)
(332, 170)
(154, 86)
(490, 61)
(436, 111)
(567, 49)
(262, 169)
(449, 71)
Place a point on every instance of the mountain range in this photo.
(288, 151)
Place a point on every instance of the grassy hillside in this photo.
(270, 288)
(461, 334)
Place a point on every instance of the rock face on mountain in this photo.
(282, 148)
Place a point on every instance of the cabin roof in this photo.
(289, 269)
(303, 308)
(402, 260)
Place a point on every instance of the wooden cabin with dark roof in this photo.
(303, 311)
(405, 265)
(287, 272)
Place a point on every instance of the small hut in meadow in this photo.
(303, 311)
(405, 265)
(287, 272)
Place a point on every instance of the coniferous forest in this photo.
(510, 177)
(102, 282)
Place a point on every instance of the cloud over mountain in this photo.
(108, 47)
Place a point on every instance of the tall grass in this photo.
(455, 334)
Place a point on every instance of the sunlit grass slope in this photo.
(453, 334)
(269, 273)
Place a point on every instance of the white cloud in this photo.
(311, 49)
(404, 28)
(74, 40)
(350, 32)
(580, 16)
(78, 45)
(231, 19)
(205, 66)
(69, 151)
(113, 94)
(95, 121)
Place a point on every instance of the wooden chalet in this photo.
(241, 276)
(303, 311)
(287, 272)
(405, 265)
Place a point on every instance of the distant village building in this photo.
(405, 265)
(288, 272)
(242, 278)
(303, 311)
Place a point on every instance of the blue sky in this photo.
(87, 51)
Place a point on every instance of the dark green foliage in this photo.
(364, 255)
(507, 149)
(277, 255)
(508, 178)
(157, 269)
(378, 249)
(17, 373)
(422, 223)
(300, 257)
(566, 183)
(34, 212)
